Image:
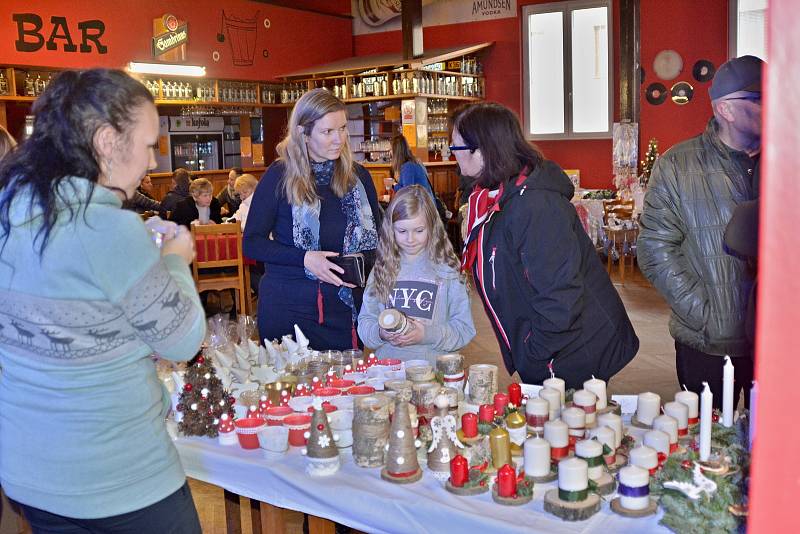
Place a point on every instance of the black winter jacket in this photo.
(544, 288)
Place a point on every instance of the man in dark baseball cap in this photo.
(738, 74)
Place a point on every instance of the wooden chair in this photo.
(623, 239)
(219, 254)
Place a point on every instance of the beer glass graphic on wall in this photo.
(241, 34)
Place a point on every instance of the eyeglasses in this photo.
(472, 149)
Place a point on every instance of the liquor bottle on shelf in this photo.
(396, 85)
(384, 85)
(30, 87)
(3, 83)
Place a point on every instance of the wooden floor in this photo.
(652, 369)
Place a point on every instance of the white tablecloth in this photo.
(359, 498)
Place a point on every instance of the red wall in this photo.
(128, 32)
(695, 31)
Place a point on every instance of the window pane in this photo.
(546, 73)
(751, 29)
(590, 70)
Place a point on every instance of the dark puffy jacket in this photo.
(693, 191)
(544, 288)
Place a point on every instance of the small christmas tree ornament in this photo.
(227, 430)
(322, 455)
(445, 442)
(649, 161)
(402, 466)
(203, 400)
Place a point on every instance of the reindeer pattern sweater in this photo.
(82, 410)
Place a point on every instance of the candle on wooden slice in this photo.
(634, 487)
(657, 440)
(706, 404)
(500, 446)
(586, 401)
(598, 387)
(692, 402)
(537, 413)
(606, 436)
(576, 421)
(500, 403)
(591, 451)
(506, 481)
(515, 394)
(668, 425)
(537, 457)
(557, 435)
(614, 422)
(559, 385)
(469, 425)
(553, 398)
(680, 412)
(727, 392)
(645, 457)
(573, 479)
(459, 471)
(486, 413)
(648, 406)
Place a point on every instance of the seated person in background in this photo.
(245, 185)
(180, 189)
(228, 198)
(200, 207)
(140, 203)
(146, 187)
(406, 168)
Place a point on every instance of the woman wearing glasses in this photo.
(542, 285)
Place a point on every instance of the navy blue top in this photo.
(412, 173)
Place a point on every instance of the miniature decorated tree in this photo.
(203, 400)
(649, 160)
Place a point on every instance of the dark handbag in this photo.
(353, 265)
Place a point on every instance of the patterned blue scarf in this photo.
(360, 232)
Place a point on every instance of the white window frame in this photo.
(733, 29)
(566, 8)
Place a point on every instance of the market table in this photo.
(357, 496)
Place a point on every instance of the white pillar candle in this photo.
(556, 433)
(576, 421)
(657, 440)
(614, 422)
(573, 474)
(631, 479)
(669, 426)
(558, 385)
(537, 457)
(553, 398)
(692, 401)
(586, 401)
(727, 392)
(648, 406)
(706, 403)
(643, 456)
(680, 412)
(537, 412)
(592, 451)
(605, 435)
(598, 387)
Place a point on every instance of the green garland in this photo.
(708, 514)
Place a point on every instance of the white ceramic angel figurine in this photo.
(702, 484)
(445, 441)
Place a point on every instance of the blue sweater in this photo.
(81, 408)
(412, 173)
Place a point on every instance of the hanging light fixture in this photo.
(166, 69)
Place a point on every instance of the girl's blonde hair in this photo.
(298, 180)
(408, 203)
(245, 181)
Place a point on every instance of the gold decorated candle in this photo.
(598, 387)
(648, 406)
(500, 446)
(517, 429)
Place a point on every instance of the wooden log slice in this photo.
(510, 501)
(571, 511)
(617, 508)
(385, 475)
(620, 461)
(613, 407)
(606, 484)
(466, 491)
(635, 422)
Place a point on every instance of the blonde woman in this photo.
(317, 203)
(244, 187)
(200, 206)
(417, 273)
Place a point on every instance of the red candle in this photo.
(506, 481)
(469, 425)
(486, 413)
(515, 394)
(500, 403)
(459, 471)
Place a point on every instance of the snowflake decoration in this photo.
(324, 441)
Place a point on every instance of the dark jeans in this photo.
(174, 514)
(695, 367)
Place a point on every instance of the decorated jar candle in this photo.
(680, 412)
(576, 421)
(644, 457)
(423, 395)
(669, 426)
(606, 436)
(482, 380)
(557, 435)
(592, 451)
(537, 412)
(537, 457)
(451, 366)
(634, 487)
(614, 422)
(648, 406)
(586, 401)
(598, 387)
(658, 440)
(559, 385)
(553, 398)
(573, 480)
(692, 402)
